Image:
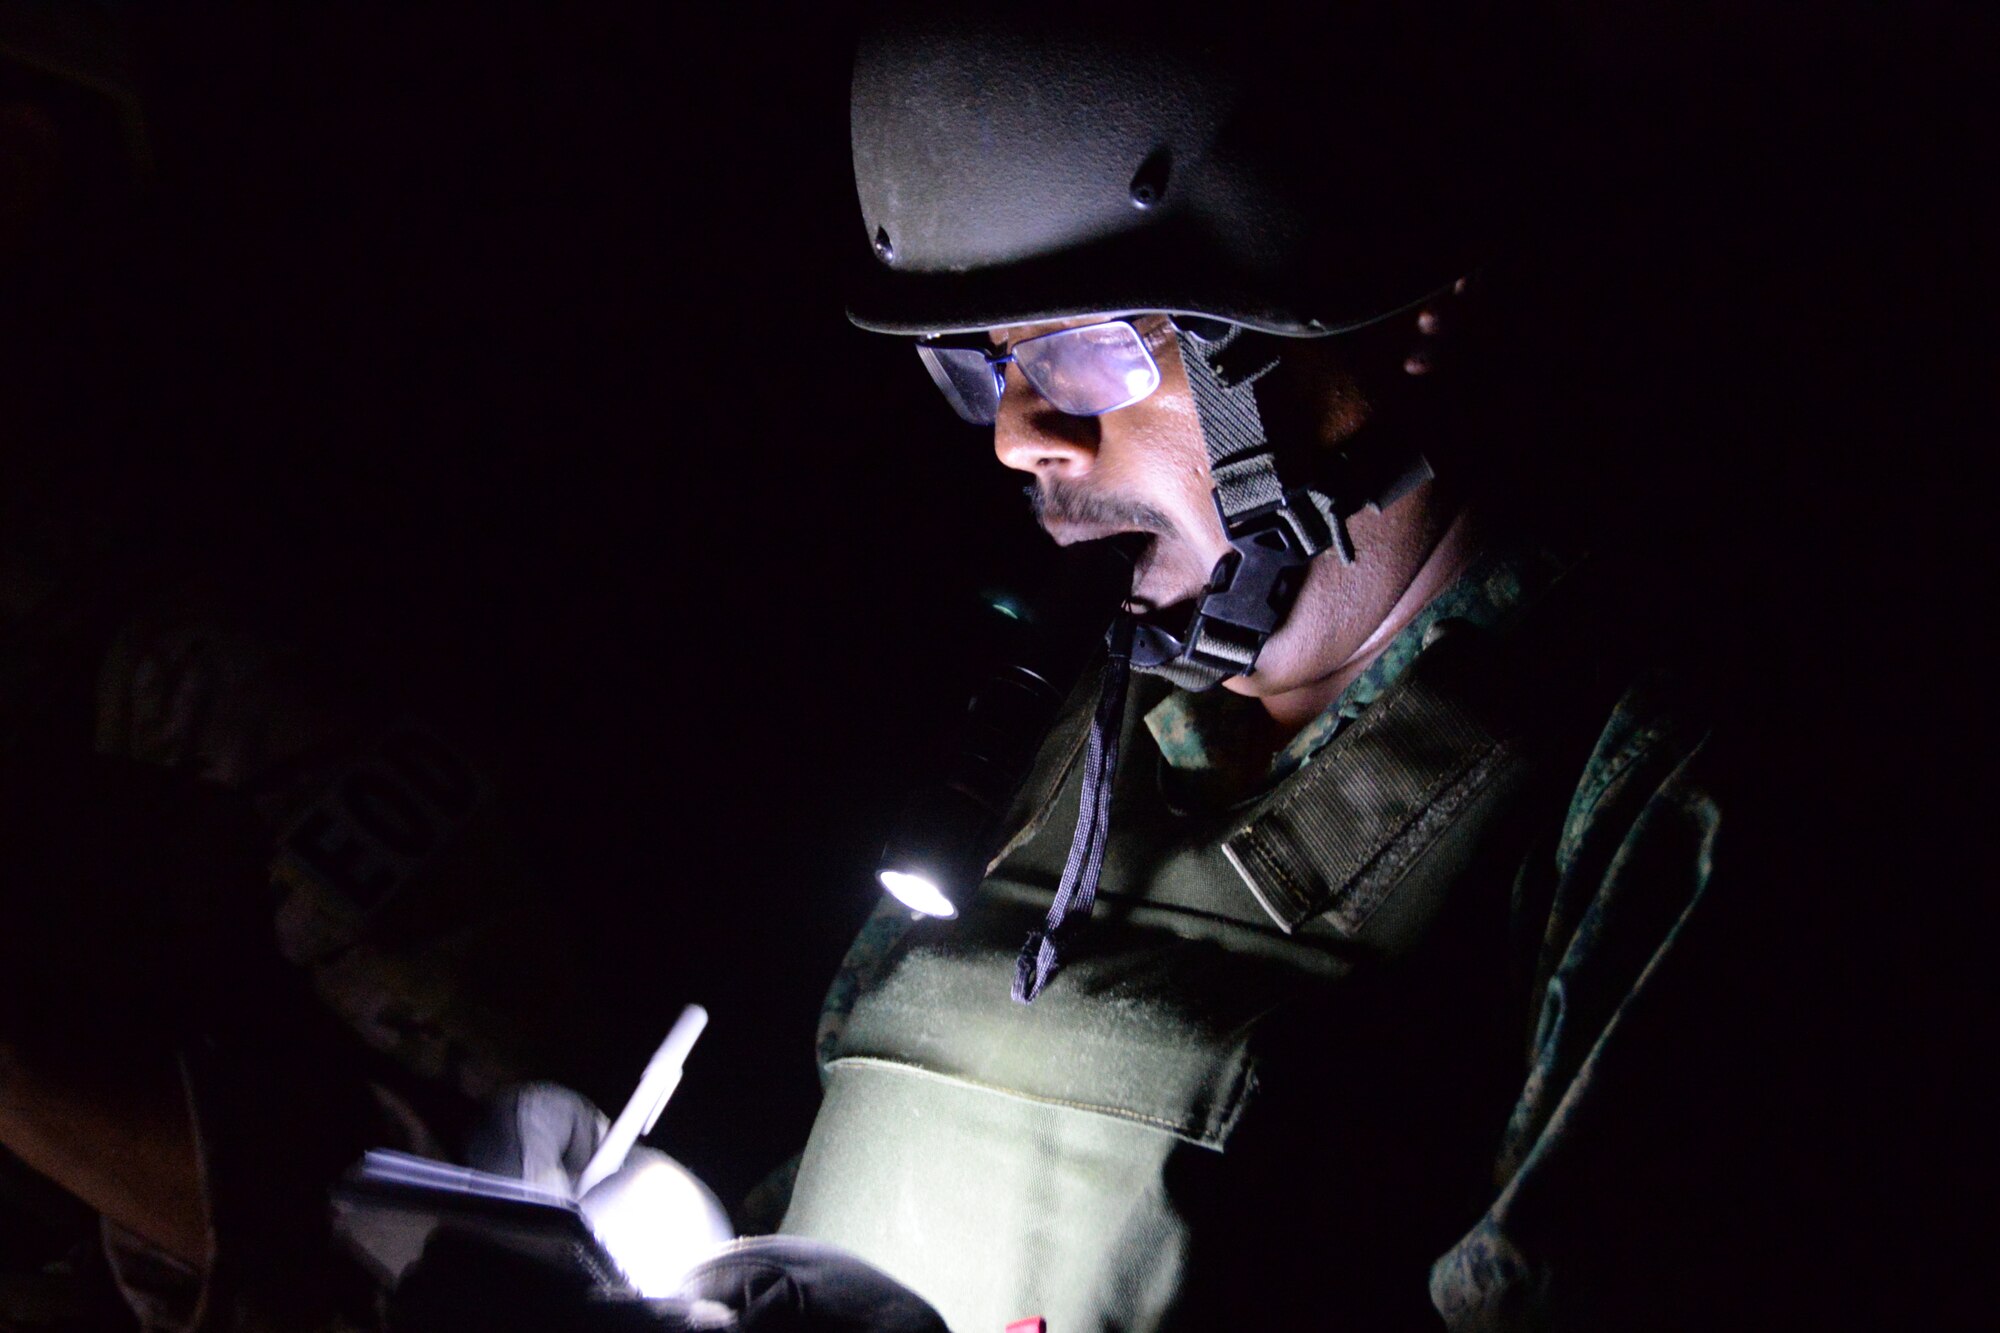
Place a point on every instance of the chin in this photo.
(1301, 655)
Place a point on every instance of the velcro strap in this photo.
(1247, 483)
(1224, 647)
(1223, 376)
(1337, 844)
(1232, 427)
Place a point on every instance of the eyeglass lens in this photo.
(1083, 372)
(1089, 371)
(970, 380)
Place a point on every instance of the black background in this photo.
(499, 349)
(498, 354)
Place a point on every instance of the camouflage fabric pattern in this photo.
(1194, 733)
(1599, 915)
(1207, 739)
(877, 938)
(1631, 870)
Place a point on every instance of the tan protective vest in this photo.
(1274, 1071)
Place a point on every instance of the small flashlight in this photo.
(918, 892)
(938, 849)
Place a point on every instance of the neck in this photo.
(1448, 558)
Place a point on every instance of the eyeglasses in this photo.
(1082, 372)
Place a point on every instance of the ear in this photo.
(1437, 327)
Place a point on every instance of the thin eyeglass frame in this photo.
(997, 361)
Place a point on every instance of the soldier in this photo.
(1403, 872)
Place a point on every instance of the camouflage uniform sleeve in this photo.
(762, 1210)
(1596, 1195)
(873, 946)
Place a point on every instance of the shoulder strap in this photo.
(1337, 842)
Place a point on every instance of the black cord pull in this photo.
(1038, 959)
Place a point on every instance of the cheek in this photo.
(1154, 449)
(1174, 426)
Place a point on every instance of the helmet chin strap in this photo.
(1274, 531)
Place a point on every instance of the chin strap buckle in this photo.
(1249, 592)
(1273, 532)
(1252, 587)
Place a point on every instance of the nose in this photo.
(1030, 436)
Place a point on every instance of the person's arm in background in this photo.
(111, 1125)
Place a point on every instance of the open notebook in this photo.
(391, 1203)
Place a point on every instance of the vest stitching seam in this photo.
(1178, 1129)
(1445, 799)
(1414, 840)
(1251, 835)
(1268, 858)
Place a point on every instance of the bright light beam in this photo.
(917, 893)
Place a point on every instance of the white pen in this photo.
(642, 1110)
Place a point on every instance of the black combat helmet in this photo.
(1296, 169)
(1251, 170)
(1261, 173)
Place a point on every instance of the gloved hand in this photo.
(766, 1284)
(466, 1283)
(656, 1220)
(782, 1284)
(652, 1214)
(541, 1133)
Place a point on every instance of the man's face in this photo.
(1144, 468)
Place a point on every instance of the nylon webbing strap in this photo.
(1215, 651)
(1077, 889)
(1256, 510)
(1243, 485)
(1220, 646)
(1377, 797)
(1223, 377)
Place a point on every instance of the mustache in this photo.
(1059, 502)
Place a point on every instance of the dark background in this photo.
(498, 354)
(499, 350)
